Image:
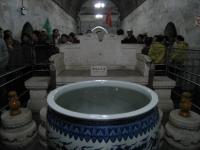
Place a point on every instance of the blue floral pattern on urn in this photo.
(134, 133)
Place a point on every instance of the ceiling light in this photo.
(98, 16)
(99, 5)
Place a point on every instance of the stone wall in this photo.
(153, 15)
(88, 20)
(37, 13)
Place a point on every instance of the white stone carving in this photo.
(18, 135)
(42, 127)
(161, 129)
(58, 61)
(182, 132)
(22, 119)
(110, 52)
(143, 64)
(38, 91)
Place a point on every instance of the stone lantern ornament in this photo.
(183, 127)
(18, 129)
(185, 104)
(14, 103)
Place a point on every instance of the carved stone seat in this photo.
(137, 75)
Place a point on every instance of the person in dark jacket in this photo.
(130, 38)
(4, 55)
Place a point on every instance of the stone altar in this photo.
(90, 52)
(123, 62)
(139, 74)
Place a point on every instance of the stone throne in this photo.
(122, 61)
(140, 74)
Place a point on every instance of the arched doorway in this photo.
(27, 28)
(170, 30)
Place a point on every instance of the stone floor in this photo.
(110, 73)
(37, 146)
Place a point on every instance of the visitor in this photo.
(4, 56)
(147, 44)
(64, 39)
(157, 50)
(140, 39)
(35, 37)
(26, 44)
(10, 41)
(180, 48)
(55, 36)
(166, 41)
(120, 32)
(26, 39)
(72, 38)
(44, 38)
(130, 38)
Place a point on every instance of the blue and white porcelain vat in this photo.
(103, 115)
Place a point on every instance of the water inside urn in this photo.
(102, 100)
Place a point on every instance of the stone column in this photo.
(38, 92)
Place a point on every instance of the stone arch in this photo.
(27, 28)
(99, 29)
(170, 30)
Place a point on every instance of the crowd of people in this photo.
(40, 40)
(64, 38)
(158, 47)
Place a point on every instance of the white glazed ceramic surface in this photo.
(130, 130)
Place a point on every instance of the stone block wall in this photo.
(37, 12)
(153, 15)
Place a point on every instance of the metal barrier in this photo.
(14, 80)
(24, 62)
(34, 60)
(186, 73)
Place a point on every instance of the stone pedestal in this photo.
(183, 133)
(42, 127)
(163, 86)
(38, 92)
(18, 131)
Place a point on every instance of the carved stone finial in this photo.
(185, 104)
(14, 103)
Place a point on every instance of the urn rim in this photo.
(133, 86)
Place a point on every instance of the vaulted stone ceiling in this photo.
(125, 7)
